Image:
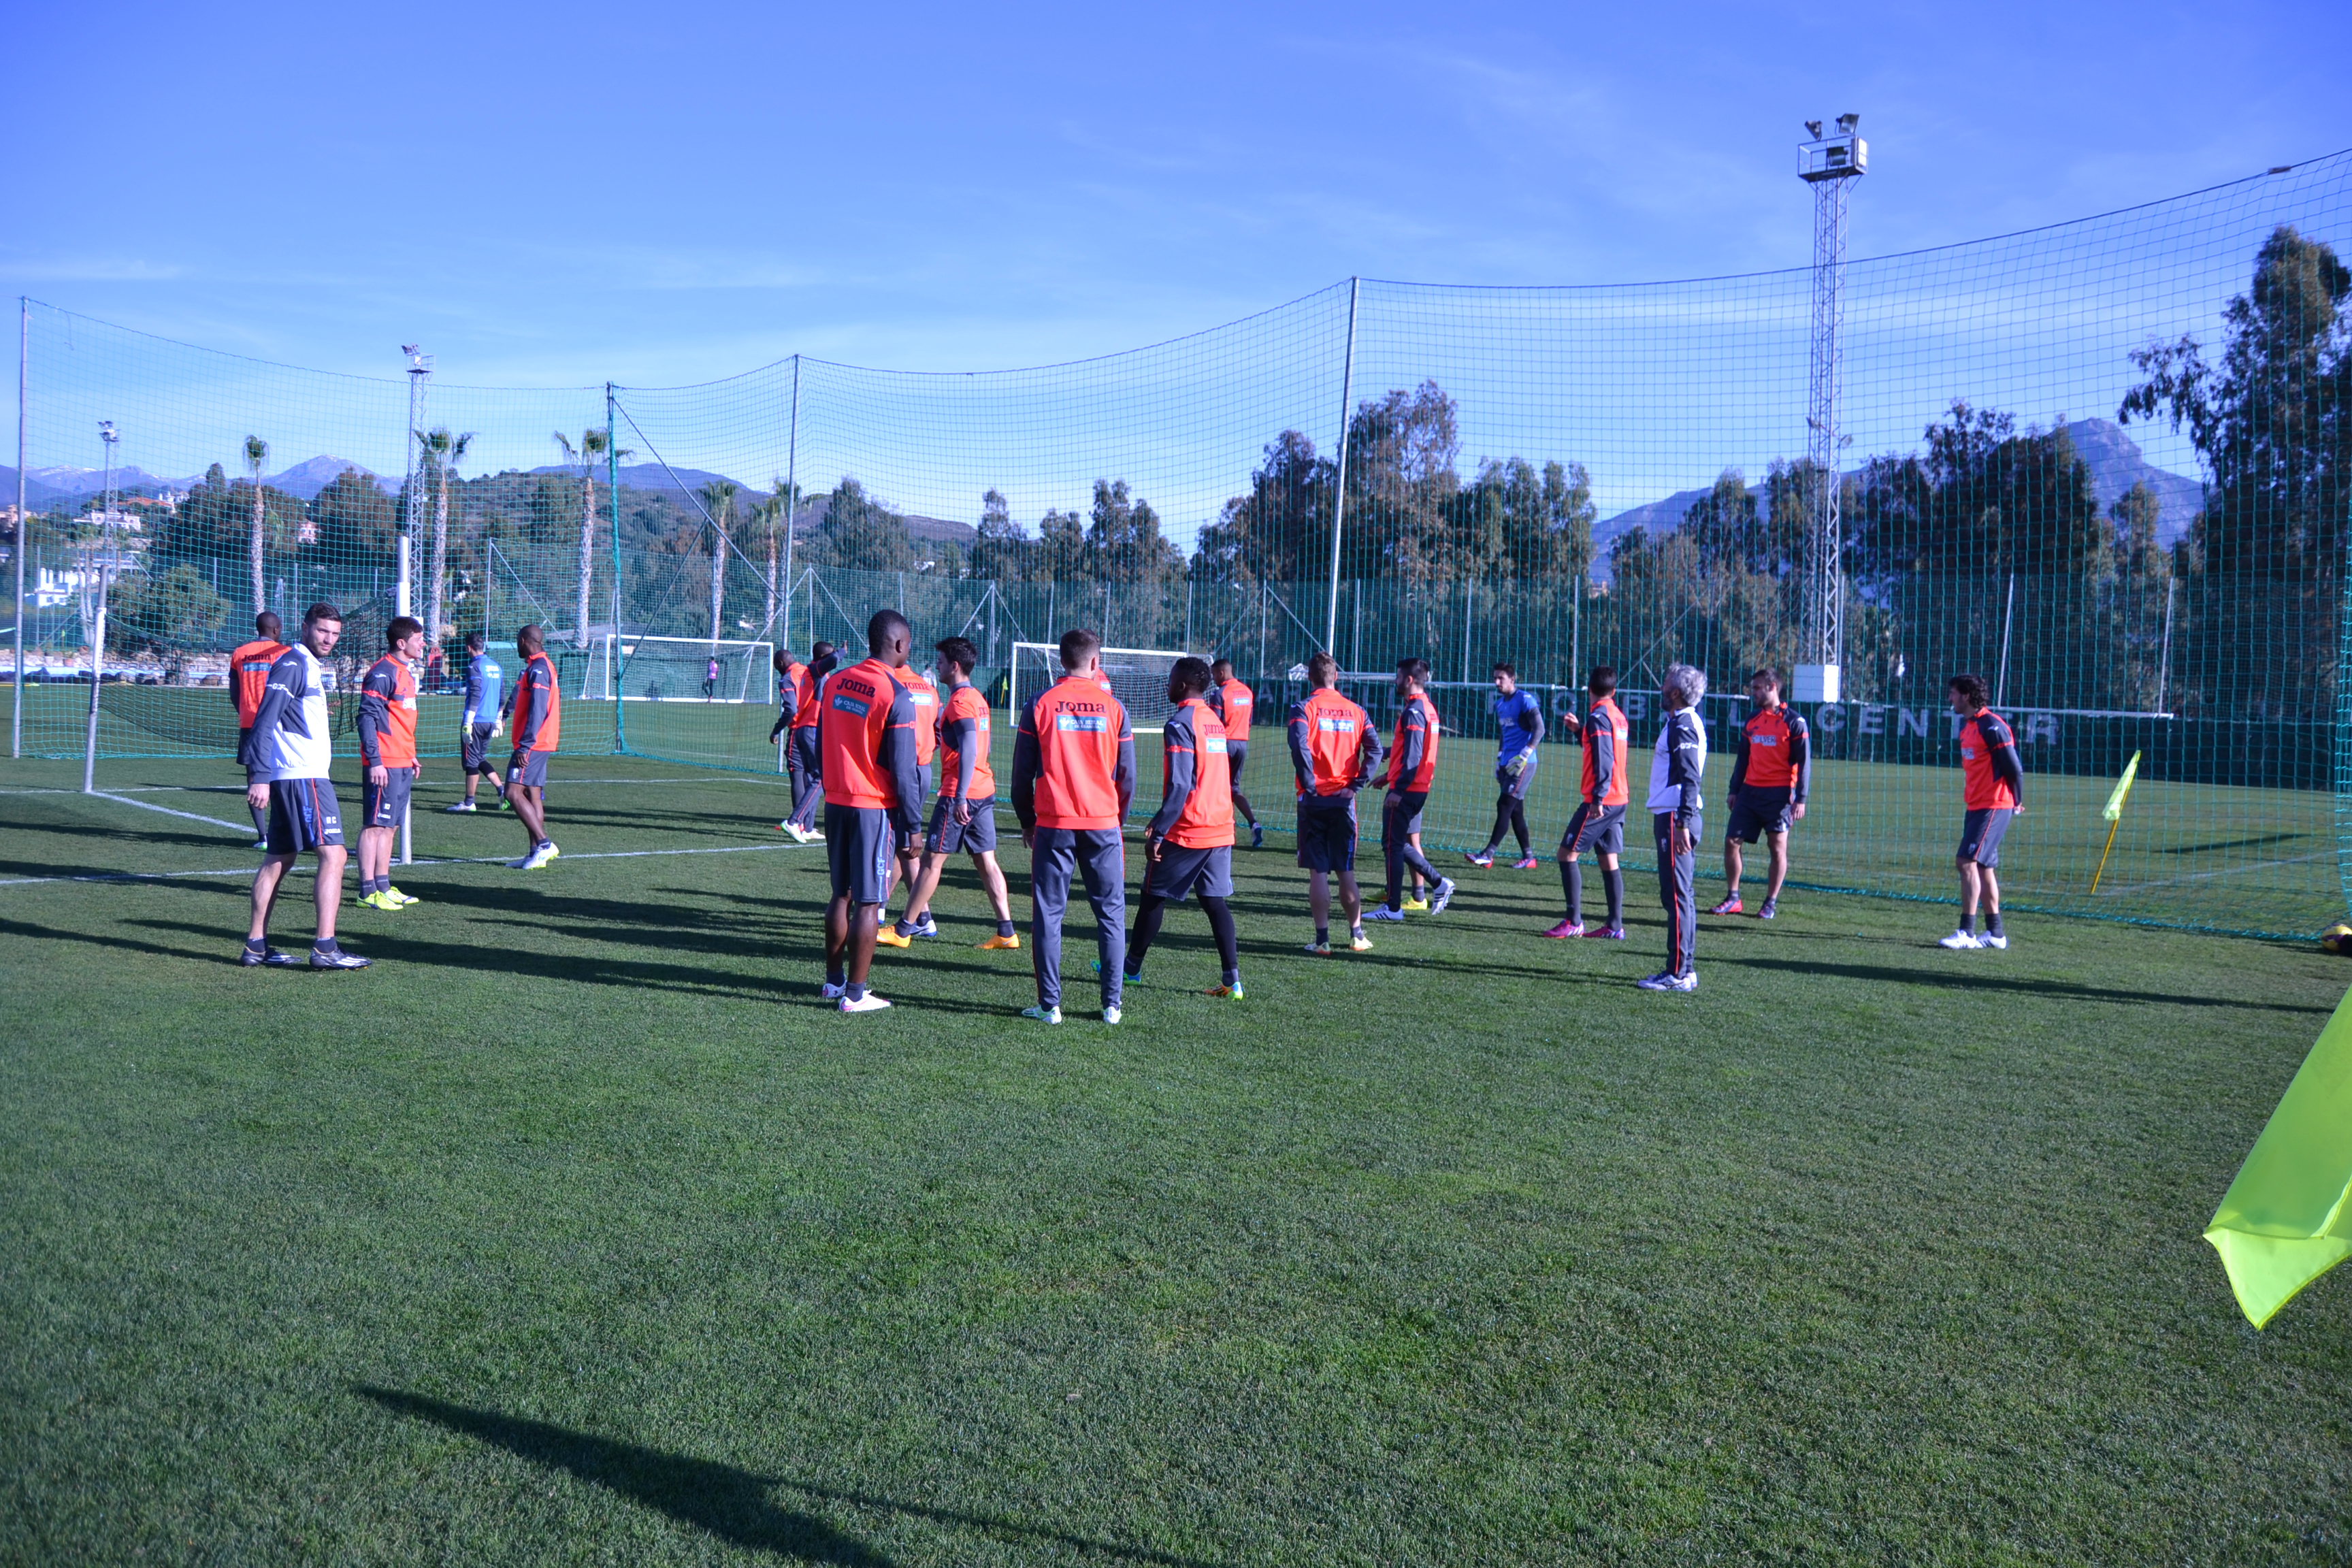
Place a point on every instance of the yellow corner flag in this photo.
(2115, 807)
(2285, 1221)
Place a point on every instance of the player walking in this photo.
(793, 693)
(388, 762)
(866, 737)
(286, 775)
(1412, 769)
(485, 682)
(1598, 822)
(1072, 776)
(1233, 702)
(711, 678)
(802, 745)
(965, 815)
(1189, 842)
(537, 713)
(1519, 725)
(1333, 750)
(906, 861)
(248, 677)
(1992, 782)
(1678, 764)
(1770, 775)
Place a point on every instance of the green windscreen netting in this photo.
(2101, 464)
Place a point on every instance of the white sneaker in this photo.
(1382, 912)
(833, 993)
(1665, 981)
(1043, 1015)
(1963, 941)
(1999, 943)
(1111, 1014)
(869, 1003)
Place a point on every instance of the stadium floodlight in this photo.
(1828, 163)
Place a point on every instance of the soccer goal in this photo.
(1138, 676)
(677, 669)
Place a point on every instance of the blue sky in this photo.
(666, 193)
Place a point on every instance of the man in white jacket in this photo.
(286, 773)
(1676, 765)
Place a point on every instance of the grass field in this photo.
(575, 1231)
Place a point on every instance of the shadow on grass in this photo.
(225, 952)
(730, 1504)
(1978, 977)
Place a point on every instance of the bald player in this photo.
(1072, 776)
(248, 677)
(1333, 750)
(866, 738)
(1233, 702)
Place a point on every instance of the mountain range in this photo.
(2114, 459)
(44, 486)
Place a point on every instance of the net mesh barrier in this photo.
(1137, 676)
(2101, 465)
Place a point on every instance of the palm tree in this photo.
(594, 444)
(774, 516)
(257, 452)
(442, 451)
(719, 501)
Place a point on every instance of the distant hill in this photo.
(307, 479)
(2114, 460)
(654, 477)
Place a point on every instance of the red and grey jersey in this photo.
(1196, 806)
(1233, 702)
(1608, 738)
(1412, 760)
(248, 677)
(1334, 748)
(538, 712)
(1775, 752)
(1073, 758)
(1991, 779)
(388, 714)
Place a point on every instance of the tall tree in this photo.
(441, 451)
(594, 444)
(1266, 535)
(257, 452)
(719, 501)
(1001, 547)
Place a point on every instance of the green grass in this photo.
(574, 1231)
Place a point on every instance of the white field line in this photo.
(239, 789)
(2247, 869)
(241, 827)
(469, 860)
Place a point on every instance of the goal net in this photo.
(686, 669)
(1138, 676)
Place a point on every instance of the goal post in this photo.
(1138, 676)
(677, 669)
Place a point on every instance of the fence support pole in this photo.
(1339, 493)
(613, 687)
(24, 524)
(2164, 656)
(791, 503)
(2001, 681)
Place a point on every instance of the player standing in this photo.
(1412, 769)
(1599, 821)
(802, 823)
(387, 758)
(792, 694)
(1770, 776)
(1189, 842)
(906, 861)
(538, 713)
(965, 815)
(865, 735)
(248, 677)
(711, 678)
(1072, 776)
(1519, 726)
(1234, 702)
(1333, 750)
(286, 775)
(481, 723)
(1992, 782)
(1678, 764)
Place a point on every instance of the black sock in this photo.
(1323, 936)
(1221, 926)
(836, 977)
(856, 992)
(1004, 928)
(905, 927)
(1992, 922)
(1145, 931)
(1613, 883)
(1519, 826)
(1571, 886)
(256, 944)
(324, 944)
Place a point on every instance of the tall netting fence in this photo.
(2101, 464)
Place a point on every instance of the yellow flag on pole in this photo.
(2115, 807)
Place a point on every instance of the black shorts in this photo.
(1236, 753)
(1758, 811)
(1411, 801)
(303, 816)
(244, 747)
(901, 839)
(1600, 830)
(1327, 831)
(527, 768)
(384, 804)
(858, 845)
(1516, 788)
(1981, 835)
(474, 749)
(977, 837)
(1180, 872)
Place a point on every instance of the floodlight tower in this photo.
(420, 366)
(1828, 163)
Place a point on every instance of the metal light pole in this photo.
(1339, 495)
(420, 366)
(1828, 163)
(24, 528)
(98, 623)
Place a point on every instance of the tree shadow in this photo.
(1978, 977)
(730, 1504)
(227, 953)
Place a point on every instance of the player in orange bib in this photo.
(866, 737)
(965, 815)
(387, 759)
(1072, 776)
(1333, 750)
(1189, 842)
(1233, 702)
(1992, 794)
(1770, 776)
(906, 864)
(1598, 822)
(536, 720)
(248, 677)
(1412, 769)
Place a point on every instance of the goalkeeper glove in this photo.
(1518, 764)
